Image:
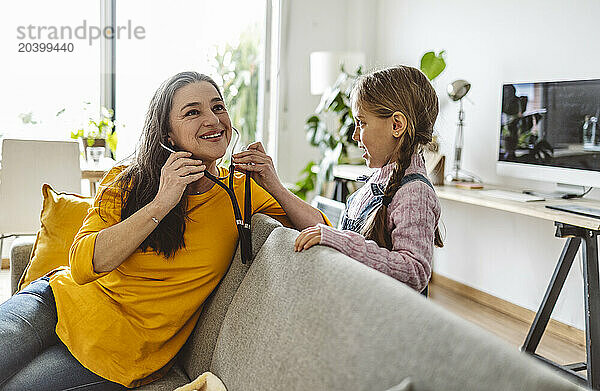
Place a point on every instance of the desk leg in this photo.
(592, 302)
(556, 283)
(592, 308)
(92, 188)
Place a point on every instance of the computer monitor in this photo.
(549, 131)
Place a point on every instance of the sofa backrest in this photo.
(196, 354)
(318, 320)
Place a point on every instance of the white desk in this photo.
(476, 197)
(578, 230)
(351, 171)
(95, 172)
(533, 208)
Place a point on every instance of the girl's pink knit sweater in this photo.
(412, 217)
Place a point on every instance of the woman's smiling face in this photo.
(199, 122)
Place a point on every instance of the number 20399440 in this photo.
(36, 47)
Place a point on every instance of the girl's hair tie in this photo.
(387, 200)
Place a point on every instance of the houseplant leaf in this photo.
(111, 141)
(432, 65)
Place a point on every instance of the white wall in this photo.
(487, 43)
(313, 25)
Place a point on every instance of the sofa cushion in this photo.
(61, 217)
(319, 320)
(196, 354)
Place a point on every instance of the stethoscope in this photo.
(243, 225)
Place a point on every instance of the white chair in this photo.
(26, 165)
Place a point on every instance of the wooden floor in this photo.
(507, 328)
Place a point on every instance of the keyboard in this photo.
(578, 209)
(511, 195)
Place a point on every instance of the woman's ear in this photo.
(399, 123)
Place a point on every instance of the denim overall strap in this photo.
(415, 177)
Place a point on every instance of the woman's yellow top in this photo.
(127, 325)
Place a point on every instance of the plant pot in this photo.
(98, 142)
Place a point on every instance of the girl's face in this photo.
(376, 136)
(199, 122)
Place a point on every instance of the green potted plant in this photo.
(330, 129)
(98, 133)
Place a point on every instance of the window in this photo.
(44, 92)
(204, 36)
(51, 94)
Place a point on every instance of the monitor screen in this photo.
(551, 124)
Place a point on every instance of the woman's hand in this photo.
(177, 172)
(308, 238)
(255, 160)
(115, 243)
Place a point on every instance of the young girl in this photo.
(391, 222)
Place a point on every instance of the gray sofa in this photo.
(318, 320)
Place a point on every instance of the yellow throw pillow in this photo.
(62, 216)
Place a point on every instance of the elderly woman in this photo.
(157, 241)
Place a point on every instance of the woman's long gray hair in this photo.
(138, 183)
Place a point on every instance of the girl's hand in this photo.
(255, 160)
(177, 172)
(308, 238)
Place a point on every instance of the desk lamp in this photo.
(457, 91)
